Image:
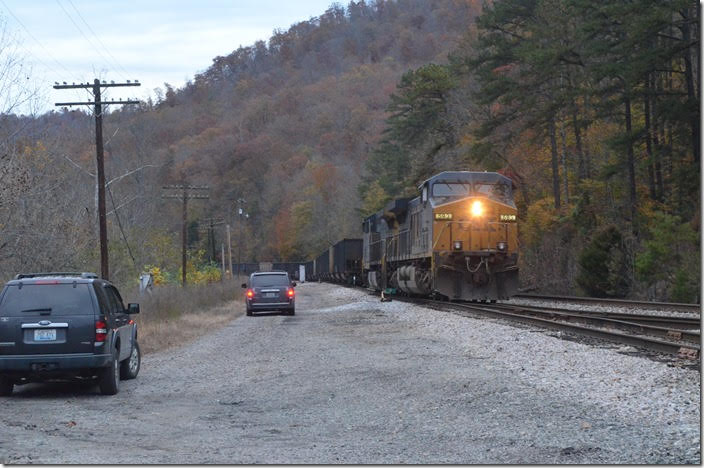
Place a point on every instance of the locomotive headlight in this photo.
(457, 245)
(502, 246)
(477, 208)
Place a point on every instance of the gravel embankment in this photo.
(603, 308)
(352, 380)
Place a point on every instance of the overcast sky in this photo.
(153, 41)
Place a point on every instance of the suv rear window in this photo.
(59, 299)
(260, 281)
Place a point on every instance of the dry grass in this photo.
(172, 316)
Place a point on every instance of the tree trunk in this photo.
(657, 142)
(631, 159)
(555, 168)
(648, 141)
(565, 174)
(689, 78)
(581, 169)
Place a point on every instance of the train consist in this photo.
(458, 239)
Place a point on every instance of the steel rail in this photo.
(673, 322)
(624, 321)
(666, 346)
(619, 302)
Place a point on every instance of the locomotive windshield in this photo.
(451, 189)
(498, 190)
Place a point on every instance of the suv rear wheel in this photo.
(110, 376)
(130, 366)
(6, 386)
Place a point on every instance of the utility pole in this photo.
(222, 259)
(184, 197)
(209, 229)
(229, 251)
(100, 168)
(242, 215)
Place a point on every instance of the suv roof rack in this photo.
(64, 273)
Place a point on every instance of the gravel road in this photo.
(352, 380)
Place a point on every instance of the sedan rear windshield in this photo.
(260, 281)
(54, 299)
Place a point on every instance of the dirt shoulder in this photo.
(160, 335)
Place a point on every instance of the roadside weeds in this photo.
(172, 316)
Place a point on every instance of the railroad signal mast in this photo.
(100, 166)
(184, 196)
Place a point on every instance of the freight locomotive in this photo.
(458, 240)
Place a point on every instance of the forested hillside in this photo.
(285, 124)
(591, 107)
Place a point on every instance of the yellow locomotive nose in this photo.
(477, 208)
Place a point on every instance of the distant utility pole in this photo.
(222, 259)
(209, 229)
(184, 197)
(229, 252)
(100, 169)
(242, 216)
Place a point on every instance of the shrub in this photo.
(603, 265)
(671, 255)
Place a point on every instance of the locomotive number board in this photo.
(443, 216)
(507, 218)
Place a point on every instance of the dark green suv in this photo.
(66, 326)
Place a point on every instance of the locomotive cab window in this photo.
(450, 189)
(498, 191)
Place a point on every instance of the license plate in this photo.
(45, 335)
(270, 294)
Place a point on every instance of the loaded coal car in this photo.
(458, 239)
(288, 267)
(244, 269)
(310, 270)
(347, 262)
(322, 266)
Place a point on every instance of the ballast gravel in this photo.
(610, 308)
(350, 379)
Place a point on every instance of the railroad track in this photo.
(672, 335)
(673, 306)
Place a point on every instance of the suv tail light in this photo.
(250, 293)
(290, 292)
(101, 331)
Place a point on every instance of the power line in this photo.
(85, 37)
(98, 39)
(36, 40)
